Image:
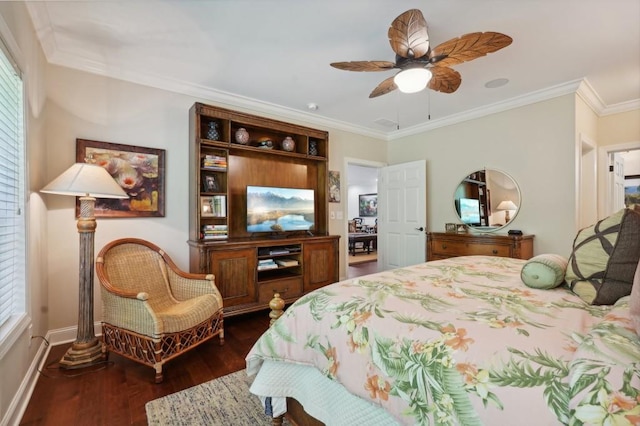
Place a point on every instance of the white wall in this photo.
(535, 144)
(19, 352)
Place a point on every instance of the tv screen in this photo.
(278, 209)
(470, 211)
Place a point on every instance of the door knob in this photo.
(420, 229)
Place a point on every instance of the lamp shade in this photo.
(84, 179)
(412, 80)
(507, 205)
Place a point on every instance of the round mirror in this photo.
(487, 200)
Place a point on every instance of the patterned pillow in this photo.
(604, 258)
(544, 271)
(634, 302)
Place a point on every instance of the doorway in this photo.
(361, 181)
(630, 154)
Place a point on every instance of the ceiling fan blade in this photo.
(408, 35)
(444, 79)
(383, 88)
(364, 65)
(469, 47)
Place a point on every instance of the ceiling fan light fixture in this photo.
(412, 80)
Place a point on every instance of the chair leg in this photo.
(157, 355)
(159, 375)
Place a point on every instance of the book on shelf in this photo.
(215, 237)
(264, 261)
(214, 162)
(278, 251)
(219, 206)
(210, 232)
(287, 262)
(270, 264)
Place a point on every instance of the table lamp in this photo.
(507, 206)
(87, 181)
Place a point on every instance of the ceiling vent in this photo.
(386, 123)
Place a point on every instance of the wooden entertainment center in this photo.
(220, 169)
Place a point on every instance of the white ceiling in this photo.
(274, 55)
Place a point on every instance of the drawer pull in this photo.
(281, 292)
(444, 246)
(495, 251)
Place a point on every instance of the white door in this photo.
(402, 215)
(616, 183)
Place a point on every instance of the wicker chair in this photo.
(153, 311)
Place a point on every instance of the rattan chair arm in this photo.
(183, 288)
(132, 313)
(106, 285)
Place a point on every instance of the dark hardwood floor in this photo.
(115, 393)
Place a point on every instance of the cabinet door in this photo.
(320, 264)
(235, 275)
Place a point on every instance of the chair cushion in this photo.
(544, 271)
(604, 258)
(184, 315)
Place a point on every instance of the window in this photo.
(12, 190)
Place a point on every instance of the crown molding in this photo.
(621, 107)
(224, 99)
(530, 98)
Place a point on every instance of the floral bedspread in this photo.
(464, 341)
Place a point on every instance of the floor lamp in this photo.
(86, 181)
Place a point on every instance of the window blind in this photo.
(12, 223)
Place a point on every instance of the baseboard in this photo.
(20, 401)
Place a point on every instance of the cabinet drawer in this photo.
(458, 248)
(287, 287)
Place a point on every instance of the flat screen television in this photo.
(280, 209)
(470, 211)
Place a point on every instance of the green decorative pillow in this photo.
(604, 258)
(544, 271)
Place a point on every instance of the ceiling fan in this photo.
(420, 65)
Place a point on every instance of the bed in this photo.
(456, 341)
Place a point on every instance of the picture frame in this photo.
(209, 183)
(368, 205)
(451, 227)
(206, 207)
(140, 172)
(334, 186)
(631, 190)
(213, 206)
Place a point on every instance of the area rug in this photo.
(223, 401)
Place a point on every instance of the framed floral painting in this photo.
(368, 205)
(139, 171)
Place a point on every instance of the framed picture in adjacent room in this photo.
(139, 171)
(368, 205)
(632, 190)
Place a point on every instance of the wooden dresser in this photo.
(441, 245)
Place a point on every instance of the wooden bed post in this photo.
(277, 308)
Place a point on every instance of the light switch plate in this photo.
(332, 215)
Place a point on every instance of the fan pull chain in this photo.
(397, 111)
(428, 105)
